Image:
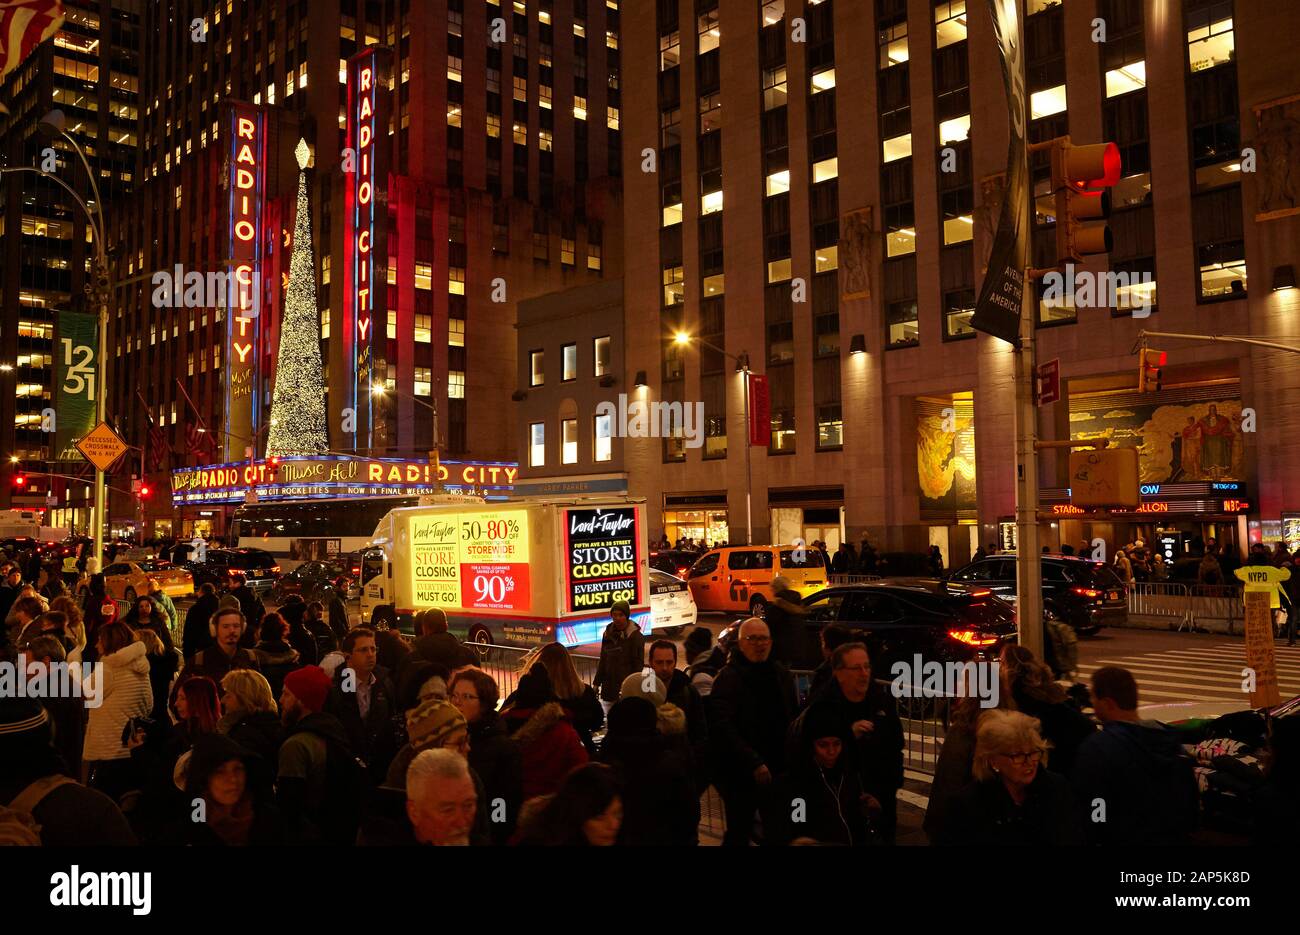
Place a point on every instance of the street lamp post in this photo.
(742, 366)
(52, 124)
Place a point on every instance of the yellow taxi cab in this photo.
(125, 580)
(738, 578)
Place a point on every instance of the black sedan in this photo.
(313, 581)
(900, 618)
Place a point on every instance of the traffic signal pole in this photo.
(1029, 570)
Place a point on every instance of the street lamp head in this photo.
(13, 459)
(682, 338)
(6, 368)
(53, 123)
(377, 389)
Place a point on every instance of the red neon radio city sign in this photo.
(367, 210)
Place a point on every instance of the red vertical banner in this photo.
(760, 410)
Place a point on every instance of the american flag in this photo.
(25, 24)
(197, 439)
(157, 446)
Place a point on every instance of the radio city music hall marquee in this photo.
(325, 477)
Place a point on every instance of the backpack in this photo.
(17, 825)
(1065, 646)
(348, 788)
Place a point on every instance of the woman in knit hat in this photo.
(430, 724)
(548, 742)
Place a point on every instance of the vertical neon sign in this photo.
(367, 267)
(245, 179)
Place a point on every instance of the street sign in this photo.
(1049, 382)
(102, 447)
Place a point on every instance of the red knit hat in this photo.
(310, 685)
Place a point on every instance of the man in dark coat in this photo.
(364, 700)
(663, 659)
(225, 654)
(196, 635)
(435, 644)
(252, 607)
(622, 652)
(786, 618)
(750, 709)
(869, 723)
(1135, 769)
(319, 784)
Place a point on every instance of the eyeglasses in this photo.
(1020, 759)
(460, 697)
(757, 639)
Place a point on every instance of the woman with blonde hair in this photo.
(1012, 801)
(578, 699)
(1028, 686)
(251, 717)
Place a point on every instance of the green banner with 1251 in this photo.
(73, 415)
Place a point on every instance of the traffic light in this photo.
(145, 492)
(1080, 177)
(1150, 364)
(20, 481)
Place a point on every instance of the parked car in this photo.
(674, 561)
(672, 609)
(899, 618)
(313, 581)
(260, 569)
(124, 581)
(1086, 594)
(738, 579)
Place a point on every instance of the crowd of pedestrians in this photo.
(231, 725)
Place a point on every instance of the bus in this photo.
(298, 531)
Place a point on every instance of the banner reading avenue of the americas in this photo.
(999, 307)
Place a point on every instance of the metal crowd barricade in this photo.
(925, 721)
(1216, 602)
(1161, 599)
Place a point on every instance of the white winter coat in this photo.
(125, 694)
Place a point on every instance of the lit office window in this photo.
(537, 444)
(603, 449)
(569, 441)
(949, 23)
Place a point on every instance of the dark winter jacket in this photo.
(498, 762)
(983, 814)
(786, 618)
(276, 660)
(215, 664)
(685, 696)
(338, 616)
(878, 752)
(952, 773)
(251, 606)
(375, 739)
(832, 811)
(1145, 780)
(303, 643)
(750, 711)
(259, 732)
(550, 747)
(621, 654)
(445, 650)
(661, 807)
(70, 815)
(320, 786)
(196, 635)
(1063, 726)
(322, 635)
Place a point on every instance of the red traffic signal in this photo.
(1079, 176)
(20, 480)
(145, 492)
(1150, 370)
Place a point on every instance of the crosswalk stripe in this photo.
(1187, 659)
(924, 778)
(1144, 682)
(1229, 676)
(913, 798)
